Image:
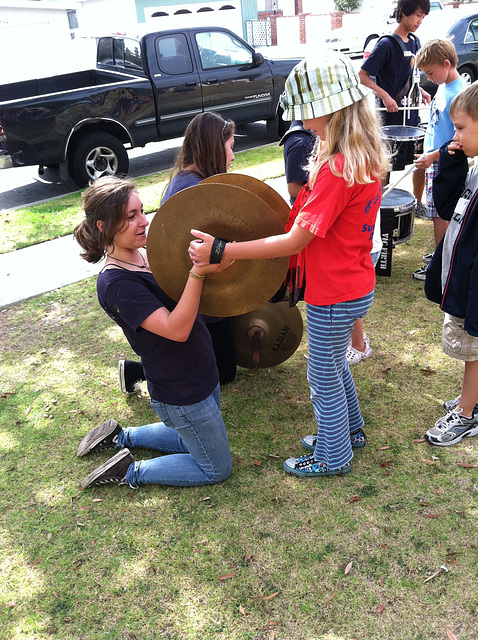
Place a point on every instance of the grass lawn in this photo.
(387, 552)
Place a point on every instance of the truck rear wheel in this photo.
(97, 154)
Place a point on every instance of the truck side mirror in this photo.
(257, 59)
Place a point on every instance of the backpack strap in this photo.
(396, 38)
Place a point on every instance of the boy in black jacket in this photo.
(452, 276)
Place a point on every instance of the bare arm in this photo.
(177, 324)
(385, 97)
(286, 244)
(294, 188)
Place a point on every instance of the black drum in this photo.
(397, 211)
(404, 143)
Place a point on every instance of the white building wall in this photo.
(317, 28)
(288, 30)
(102, 17)
(287, 7)
(36, 42)
(318, 6)
(230, 18)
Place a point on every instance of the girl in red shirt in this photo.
(331, 228)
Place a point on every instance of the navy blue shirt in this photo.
(178, 373)
(392, 69)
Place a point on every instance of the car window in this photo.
(172, 54)
(472, 32)
(218, 49)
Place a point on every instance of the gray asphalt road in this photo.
(22, 185)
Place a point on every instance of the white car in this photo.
(355, 37)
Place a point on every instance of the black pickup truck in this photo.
(142, 90)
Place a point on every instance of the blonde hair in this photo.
(466, 102)
(436, 52)
(353, 132)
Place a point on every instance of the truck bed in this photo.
(65, 82)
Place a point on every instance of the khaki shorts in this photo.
(456, 342)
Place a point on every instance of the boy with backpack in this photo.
(392, 63)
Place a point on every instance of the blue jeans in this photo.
(193, 435)
(332, 389)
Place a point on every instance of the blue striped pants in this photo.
(332, 388)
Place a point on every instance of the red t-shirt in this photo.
(338, 265)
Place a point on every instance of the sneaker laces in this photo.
(450, 420)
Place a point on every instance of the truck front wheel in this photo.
(276, 127)
(97, 154)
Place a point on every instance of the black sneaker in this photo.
(111, 472)
(451, 429)
(451, 405)
(130, 375)
(427, 258)
(100, 438)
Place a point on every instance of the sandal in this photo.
(354, 356)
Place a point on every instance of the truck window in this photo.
(132, 54)
(172, 54)
(218, 49)
(105, 51)
(121, 52)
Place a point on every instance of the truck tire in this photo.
(276, 127)
(97, 154)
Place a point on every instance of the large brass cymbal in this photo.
(224, 211)
(258, 188)
(268, 335)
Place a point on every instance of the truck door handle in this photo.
(213, 81)
(191, 83)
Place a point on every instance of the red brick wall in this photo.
(336, 20)
(263, 15)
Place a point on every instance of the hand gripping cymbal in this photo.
(224, 211)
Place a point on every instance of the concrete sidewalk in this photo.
(29, 272)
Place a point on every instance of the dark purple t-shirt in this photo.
(181, 180)
(178, 373)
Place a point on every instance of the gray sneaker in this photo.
(451, 429)
(421, 211)
(103, 437)
(111, 472)
(420, 274)
(451, 405)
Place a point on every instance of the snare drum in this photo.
(404, 143)
(397, 211)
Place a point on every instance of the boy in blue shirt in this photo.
(438, 60)
(452, 276)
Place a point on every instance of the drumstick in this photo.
(391, 186)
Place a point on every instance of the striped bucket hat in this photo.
(314, 89)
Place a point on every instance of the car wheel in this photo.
(375, 36)
(97, 154)
(467, 74)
